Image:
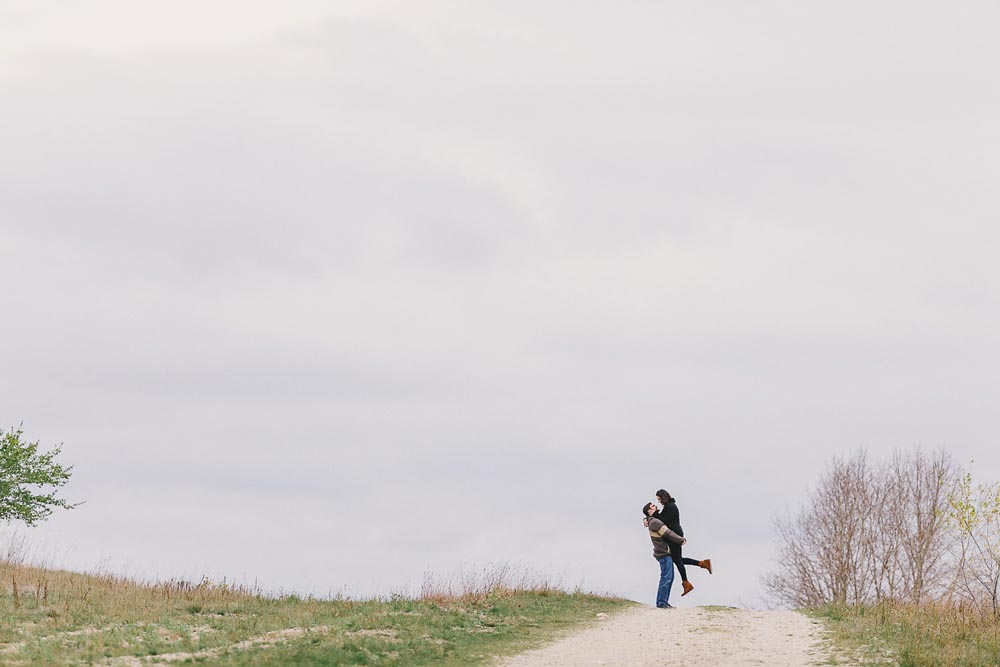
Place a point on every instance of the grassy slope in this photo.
(913, 636)
(62, 618)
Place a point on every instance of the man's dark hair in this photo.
(645, 509)
(664, 496)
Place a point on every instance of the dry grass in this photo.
(470, 585)
(926, 635)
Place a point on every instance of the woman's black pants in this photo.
(680, 561)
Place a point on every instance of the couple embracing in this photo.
(665, 531)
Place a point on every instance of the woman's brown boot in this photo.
(688, 587)
(707, 564)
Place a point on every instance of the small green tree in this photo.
(25, 476)
(975, 513)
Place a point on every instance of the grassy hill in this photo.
(934, 634)
(55, 617)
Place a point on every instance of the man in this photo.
(660, 535)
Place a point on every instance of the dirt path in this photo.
(698, 637)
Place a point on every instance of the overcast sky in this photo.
(325, 295)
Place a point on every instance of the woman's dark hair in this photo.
(645, 509)
(664, 496)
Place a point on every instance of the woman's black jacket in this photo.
(671, 516)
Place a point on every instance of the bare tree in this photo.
(869, 532)
(924, 482)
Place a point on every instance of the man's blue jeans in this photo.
(666, 580)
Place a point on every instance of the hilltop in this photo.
(56, 617)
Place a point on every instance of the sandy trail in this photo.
(696, 637)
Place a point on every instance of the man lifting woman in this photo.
(668, 540)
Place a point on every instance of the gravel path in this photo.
(696, 637)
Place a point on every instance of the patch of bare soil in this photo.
(263, 641)
(17, 646)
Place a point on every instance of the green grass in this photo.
(912, 636)
(63, 618)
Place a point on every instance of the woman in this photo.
(671, 518)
